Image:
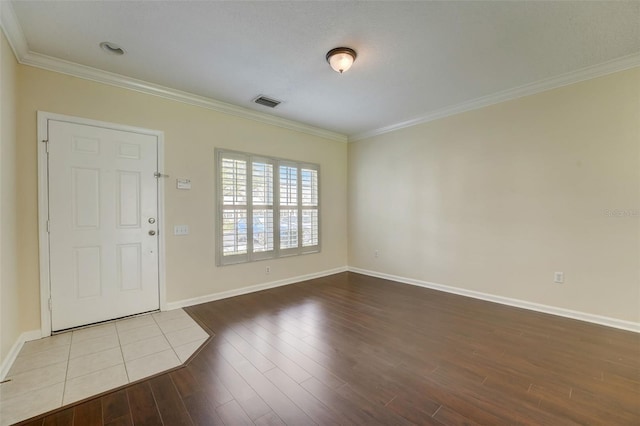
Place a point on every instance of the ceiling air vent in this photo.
(268, 102)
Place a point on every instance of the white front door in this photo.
(103, 213)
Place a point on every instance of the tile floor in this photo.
(68, 367)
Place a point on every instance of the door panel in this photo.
(129, 259)
(102, 193)
(85, 187)
(128, 200)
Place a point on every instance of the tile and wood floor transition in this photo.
(351, 349)
(73, 366)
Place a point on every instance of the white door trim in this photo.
(43, 207)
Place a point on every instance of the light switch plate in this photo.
(183, 183)
(181, 230)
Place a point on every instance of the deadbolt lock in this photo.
(152, 220)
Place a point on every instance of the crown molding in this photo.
(15, 36)
(12, 29)
(88, 73)
(619, 64)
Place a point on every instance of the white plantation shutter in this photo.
(310, 226)
(267, 208)
(233, 170)
(263, 238)
(288, 208)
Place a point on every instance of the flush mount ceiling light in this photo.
(341, 58)
(111, 48)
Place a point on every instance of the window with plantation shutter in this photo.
(234, 206)
(262, 184)
(267, 207)
(288, 207)
(309, 183)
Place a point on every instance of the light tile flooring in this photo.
(68, 367)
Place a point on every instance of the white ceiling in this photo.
(414, 58)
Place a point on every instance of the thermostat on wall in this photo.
(183, 183)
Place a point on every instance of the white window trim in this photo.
(277, 252)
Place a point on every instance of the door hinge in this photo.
(160, 175)
(46, 142)
(49, 304)
(48, 226)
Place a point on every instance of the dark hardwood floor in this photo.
(351, 349)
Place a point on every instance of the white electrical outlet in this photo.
(267, 270)
(181, 230)
(558, 277)
(376, 253)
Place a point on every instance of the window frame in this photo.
(277, 252)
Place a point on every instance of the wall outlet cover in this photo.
(181, 230)
(183, 183)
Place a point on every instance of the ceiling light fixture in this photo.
(341, 58)
(111, 48)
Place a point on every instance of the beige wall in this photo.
(497, 199)
(191, 134)
(494, 200)
(10, 327)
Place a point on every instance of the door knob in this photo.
(152, 232)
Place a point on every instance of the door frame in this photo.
(43, 207)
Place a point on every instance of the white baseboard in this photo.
(582, 316)
(553, 310)
(251, 289)
(15, 350)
